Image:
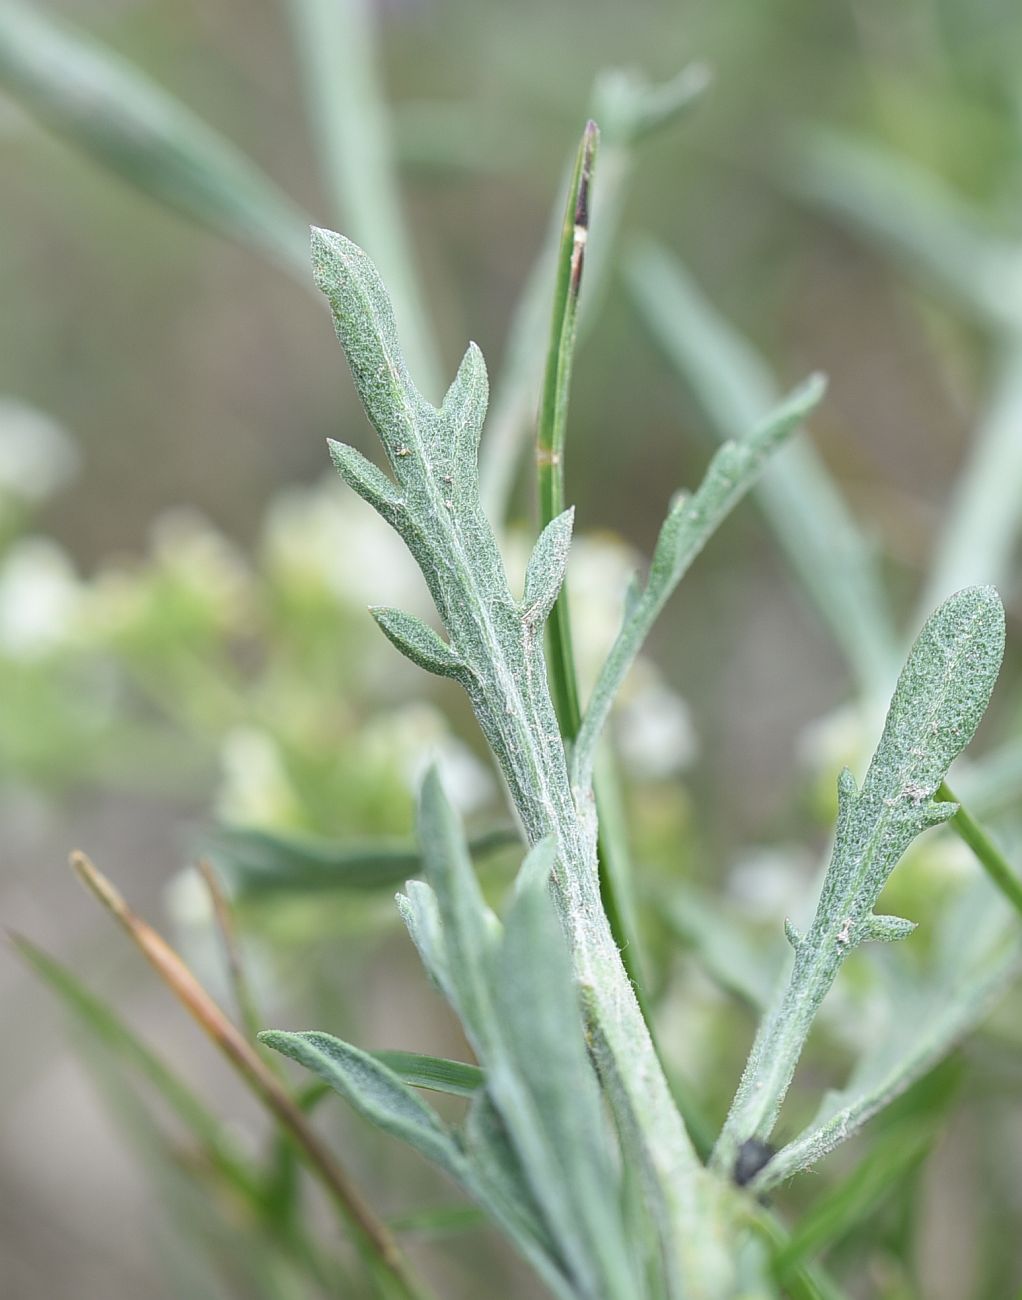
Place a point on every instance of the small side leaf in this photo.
(545, 572)
(884, 929)
(371, 484)
(418, 642)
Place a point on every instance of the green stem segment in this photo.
(553, 415)
(990, 857)
(551, 438)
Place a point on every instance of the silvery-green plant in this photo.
(548, 1007)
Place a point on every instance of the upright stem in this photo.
(989, 856)
(553, 415)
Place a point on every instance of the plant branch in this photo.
(940, 698)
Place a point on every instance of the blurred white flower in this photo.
(255, 789)
(770, 883)
(325, 534)
(36, 456)
(186, 544)
(40, 594)
(654, 728)
(414, 737)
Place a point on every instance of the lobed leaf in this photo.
(940, 698)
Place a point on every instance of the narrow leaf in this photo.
(419, 642)
(371, 484)
(553, 414)
(464, 408)
(548, 1098)
(884, 929)
(469, 927)
(364, 321)
(816, 530)
(129, 124)
(689, 526)
(909, 212)
(375, 1091)
(498, 1174)
(104, 1025)
(337, 42)
(421, 914)
(255, 862)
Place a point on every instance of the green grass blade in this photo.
(553, 414)
(434, 1073)
(103, 1025)
(122, 120)
(814, 527)
(629, 109)
(439, 1221)
(336, 43)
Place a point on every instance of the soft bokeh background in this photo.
(190, 641)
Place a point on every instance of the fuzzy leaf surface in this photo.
(690, 524)
(941, 696)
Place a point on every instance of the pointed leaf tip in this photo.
(418, 642)
(547, 564)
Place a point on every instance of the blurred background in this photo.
(183, 637)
